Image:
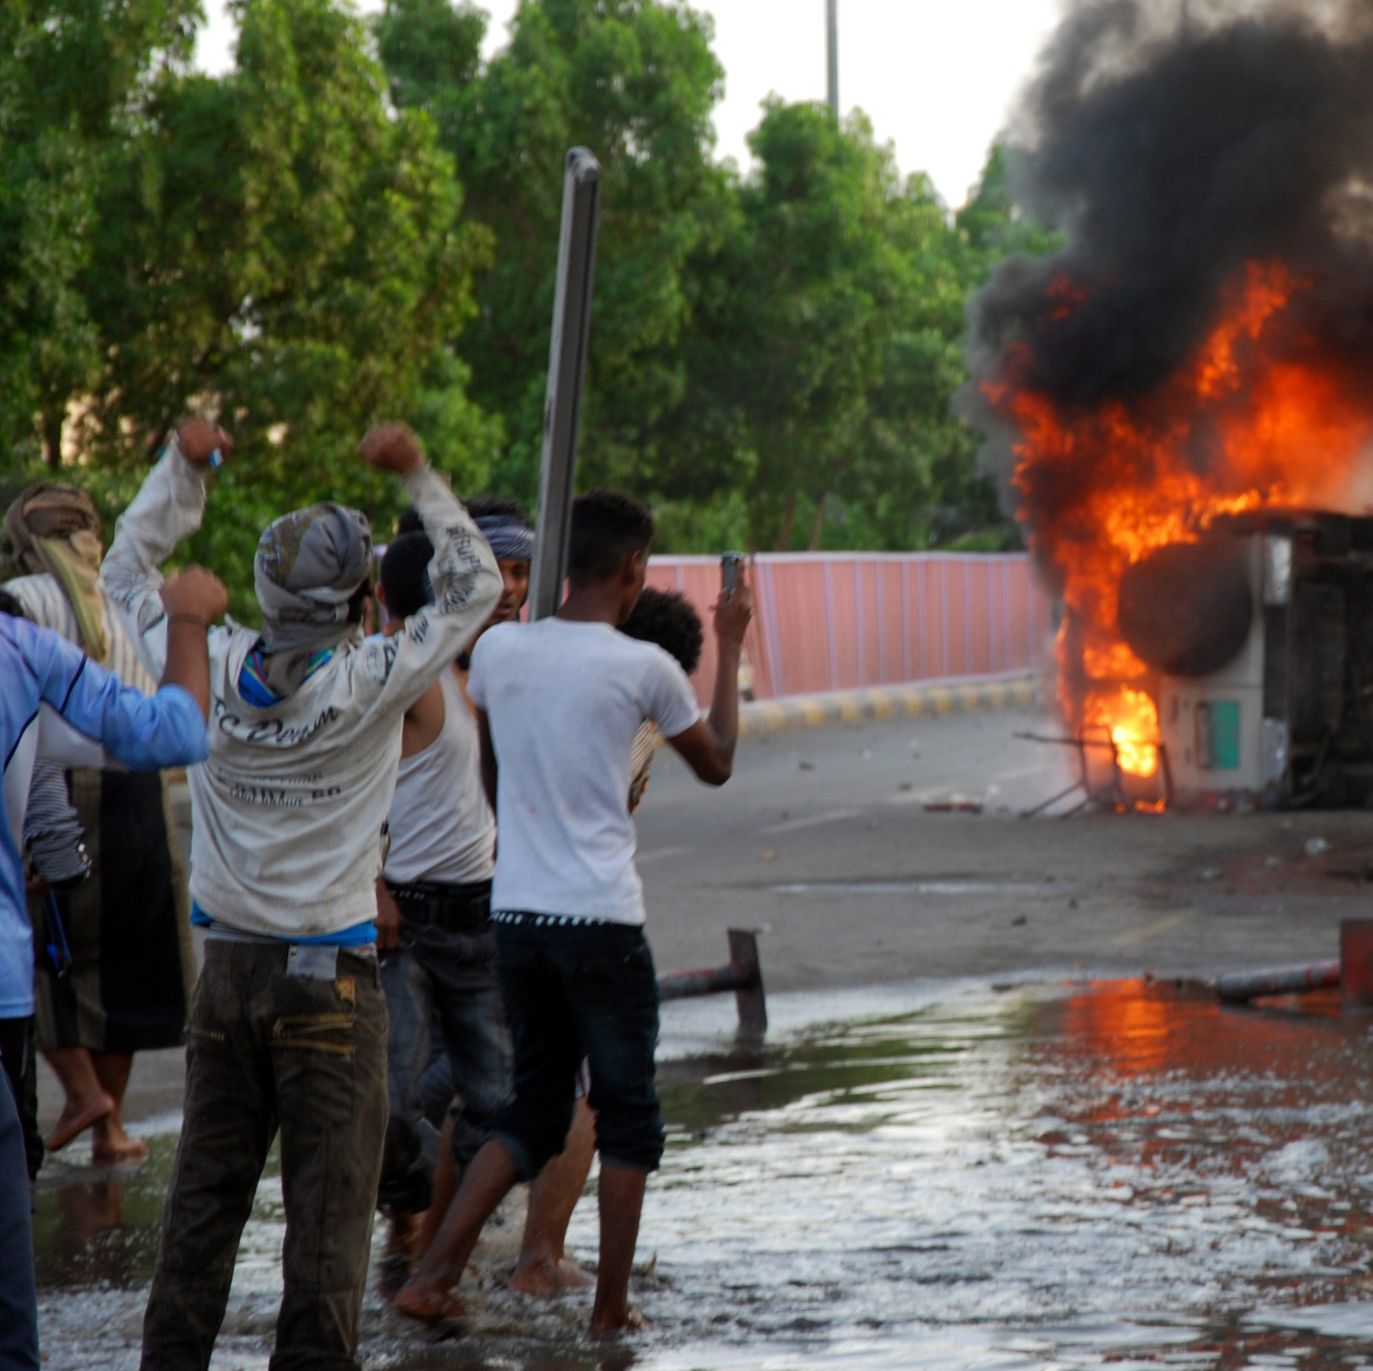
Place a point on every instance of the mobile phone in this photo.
(729, 571)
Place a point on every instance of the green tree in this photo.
(70, 71)
(992, 223)
(634, 80)
(797, 321)
(279, 246)
(916, 482)
(284, 249)
(833, 345)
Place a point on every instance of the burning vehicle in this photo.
(1180, 400)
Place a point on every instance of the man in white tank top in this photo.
(433, 901)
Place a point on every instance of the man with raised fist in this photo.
(288, 1023)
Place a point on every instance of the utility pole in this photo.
(832, 53)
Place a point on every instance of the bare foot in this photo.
(549, 1278)
(111, 1144)
(427, 1303)
(604, 1325)
(76, 1117)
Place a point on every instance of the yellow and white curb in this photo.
(927, 699)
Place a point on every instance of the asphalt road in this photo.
(824, 840)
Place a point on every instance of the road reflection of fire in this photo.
(1256, 418)
(1143, 1032)
(1135, 1027)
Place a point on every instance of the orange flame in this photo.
(1236, 428)
(1130, 719)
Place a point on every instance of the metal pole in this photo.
(832, 53)
(1243, 986)
(743, 974)
(566, 370)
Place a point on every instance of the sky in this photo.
(937, 78)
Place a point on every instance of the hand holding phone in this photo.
(730, 563)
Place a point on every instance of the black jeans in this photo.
(437, 973)
(574, 991)
(20, 1059)
(280, 1039)
(18, 1294)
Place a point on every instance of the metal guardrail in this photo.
(1243, 986)
(742, 974)
(1351, 975)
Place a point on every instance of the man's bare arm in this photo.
(194, 599)
(388, 919)
(707, 746)
(489, 766)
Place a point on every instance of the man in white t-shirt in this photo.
(559, 703)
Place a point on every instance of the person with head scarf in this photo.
(288, 1024)
(126, 984)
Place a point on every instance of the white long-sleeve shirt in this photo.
(288, 811)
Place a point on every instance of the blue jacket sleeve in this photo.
(143, 732)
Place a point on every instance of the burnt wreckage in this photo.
(1261, 635)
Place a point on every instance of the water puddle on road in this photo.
(1116, 1173)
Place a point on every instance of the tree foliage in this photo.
(634, 81)
(360, 220)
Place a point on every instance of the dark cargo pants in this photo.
(279, 1039)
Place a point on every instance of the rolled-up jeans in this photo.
(574, 991)
(289, 1039)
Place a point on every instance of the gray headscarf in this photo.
(309, 565)
(512, 540)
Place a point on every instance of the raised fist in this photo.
(392, 447)
(200, 439)
(195, 591)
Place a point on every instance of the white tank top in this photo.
(442, 828)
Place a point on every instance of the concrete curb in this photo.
(1019, 690)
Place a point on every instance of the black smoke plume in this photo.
(1173, 143)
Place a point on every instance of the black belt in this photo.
(457, 908)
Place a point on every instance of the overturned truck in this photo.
(1262, 638)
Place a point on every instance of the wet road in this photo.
(938, 1175)
(917, 1173)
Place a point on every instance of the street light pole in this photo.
(832, 53)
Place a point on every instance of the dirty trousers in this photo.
(280, 1039)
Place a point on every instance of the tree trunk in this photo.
(788, 519)
(51, 427)
(818, 523)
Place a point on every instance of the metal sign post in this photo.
(566, 369)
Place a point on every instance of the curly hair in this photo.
(664, 617)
